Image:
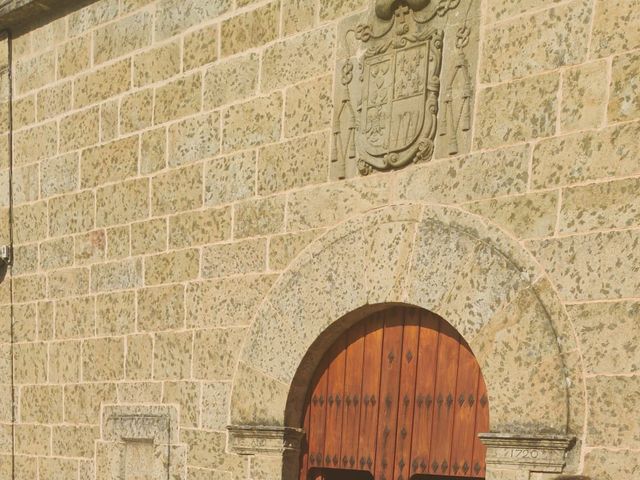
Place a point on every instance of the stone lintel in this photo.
(535, 453)
(264, 440)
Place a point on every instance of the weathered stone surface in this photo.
(175, 16)
(178, 98)
(611, 152)
(172, 267)
(177, 190)
(284, 248)
(252, 123)
(297, 16)
(200, 47)
(121, 275)
(59, 175)
(297, 58)
(79, 130)
(611, 401)
(115, 313)
(34, 72)
(608, 334)
(600, 206)
(136, 111)
(248, 256)
(591, 267)
(308, 106)
(187, 396)
(110, 162)
(215, 405)
(102, 83)
(149, 236)
(259, 217)
(257, 398)
(157, 64)
(122, 202)
(73, 213)
(41, 404)
(584, 96)
(230, 80)
(90, 247)
(139, 361)
(230, 178)
(103, 359)
(92, 15)
(75, 441)
(53, 101)
(57, 253)
(121, 37)
(153, 150)
(251, 29)
(605, 464)
(118, 242)
(161, 308)
(37, 143)
(172, 356)
(64, 362)
(82, 402)
(195, 228)
(216, 352)
(32, 440)
(194, 139)
(624, 99)
(69, 282)
(516, 112)
(74, 56)
(610, 34)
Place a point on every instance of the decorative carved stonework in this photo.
(254, 440)
(388, 90)
(535, 453)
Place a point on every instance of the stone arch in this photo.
(439, 258)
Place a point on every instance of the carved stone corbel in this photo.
(533, 453)
(262, 440)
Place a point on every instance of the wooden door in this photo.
(400, 395)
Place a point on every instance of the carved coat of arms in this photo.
(387, 108)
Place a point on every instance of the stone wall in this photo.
(171, 159)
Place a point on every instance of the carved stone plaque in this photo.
(388, 94)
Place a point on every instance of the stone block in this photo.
(176, 266)
(215, 405)
(91, 16)
(32, 440)
(200, 47)
(75, 318)
(80, 129)
(74, 441)
(537, 42)
(230, 80)
(234, 258)
(501, 9)
(64, 361)
(610, 32)
(526, 216)
(24, 111)
(26, 184)
(103, 359)
(25, 328)
(82, 403)
(216, 352)
(139, 361)
(140, 392)
(206, 449)
(592, 267)
(256, 398)
(298, 16)
(121, 37)
(120, 275)
(252, 123)
(74, 56)
(600, 206)
(178, 98)
(328, 204)
(584, 96)
(149, 237)
(608, 334)
(161, 308)
(54, 100)
(194, 139)
(153, 150)
(605, 464)
(172, 356)
(284, 248)
(69, 282)
(36, 143)
(29, 288)
(122, 202)
(187, 396)
(156, 64)
(258, 217)
(41, 404)
(136, 111)
(30, 222)
(624, 96)
(199, 227)
(177, 190)
(29, 363)
(612, 403)
(229, 179)
(250, 29)
(59, 175)
(45, 320)
(115, 313)
(298, 58)
(90, 247)
(308, 106)
(34, 72)
(332, 9)
(57, 253)
(111, 162)
(25, 259)
(612, 152)
(109, 120)
(518, 111)
(101, 84)
(118, 240)
(175, 16)
(225, 302)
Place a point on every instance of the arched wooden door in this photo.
(399, 396)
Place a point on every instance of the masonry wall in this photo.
(171, 157)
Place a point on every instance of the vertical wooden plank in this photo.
(465, 413)
(407, 394)
(335, 404)
(317, 418)
(446, 376)
(370, 393)
(425, 393)
(482, 426)
(389, 388)
(352, 396)
(304, 447)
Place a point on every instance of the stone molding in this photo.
(261, 440)
(535, 453)
(18, 13)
